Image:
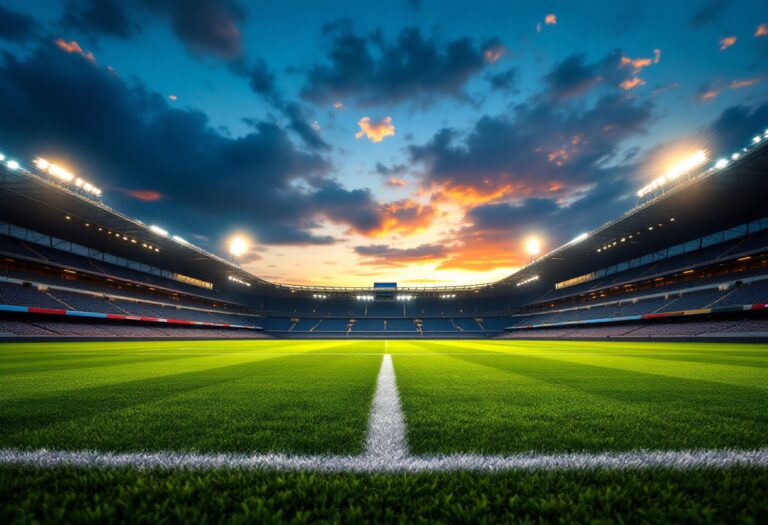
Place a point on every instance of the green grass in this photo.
(653, 496)
(189, 396)
(315, 396)
(501, 397)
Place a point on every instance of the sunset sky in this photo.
(417, 141)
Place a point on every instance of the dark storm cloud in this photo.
(735, 127)
(123, 135)
(16, 27)
(505, 81)
(373, 70)
(263, 81)
(387, 171)
(573, 77)
(492, 216)
(537, 145)
(101, 17)
(709, 11)
(205, 26)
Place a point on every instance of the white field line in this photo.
(387, 451)
(677, 460)
(386, 439)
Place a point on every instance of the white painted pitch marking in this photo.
(635, 460)
(386, 439)
(386, 450)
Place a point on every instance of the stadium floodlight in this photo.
(721, 163)
(688, 164)
(756, 139)
(692, 162)
(12, 165)
(41, 163)
(2, 157)
(158, 230)
(532, 246)
(179, 240)
(734, 156)
(238, 245)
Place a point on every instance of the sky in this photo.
(417, 141)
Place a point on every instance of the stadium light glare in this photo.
(179, 240)
(532, 246)
(2, 157)
(158, 230)
(238, 245)
(756, 139)
(579, 238)
(41, 163)
(734, 156)
(690, 163)
(721, 163)
(12, 165)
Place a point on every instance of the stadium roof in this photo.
(708, 200)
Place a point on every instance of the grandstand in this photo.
(691, 259)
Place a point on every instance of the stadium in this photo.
(690, 260)
(151, 374)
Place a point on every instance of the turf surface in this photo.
(207, 397)
(500, 397)
(315, 397)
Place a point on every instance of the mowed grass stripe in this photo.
(728, 371)
(278, 404)
(519, 403)
(58, 378)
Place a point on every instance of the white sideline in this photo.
(386, 450)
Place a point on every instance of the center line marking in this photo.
(386, 439)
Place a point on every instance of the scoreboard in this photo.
(384, 291)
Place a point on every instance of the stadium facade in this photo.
(691, 259)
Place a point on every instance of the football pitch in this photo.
(345, 430)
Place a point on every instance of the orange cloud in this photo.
(478, 253)
(709, 96)
(146, 195)
(631, 83)
(550, 19)
(493, 55)
(727, 42)
(638, 64)
(558, 157)
(375, 131)
(746, 82)
(762, 30)
(406, 217)
(394, 181)
(74, 47)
